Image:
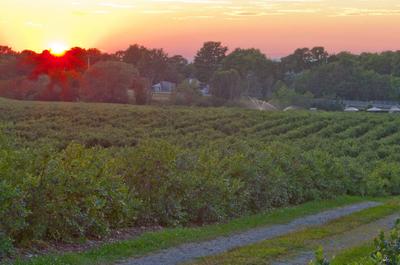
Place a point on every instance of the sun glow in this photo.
(58, 48)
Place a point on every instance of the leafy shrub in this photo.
(77, 194)
(149, 171)
(384, 179)
(6, 246)
(214, 192)
(387, 250)
(13, 211)
(186, 93)
(176, 166)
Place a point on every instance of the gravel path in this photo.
(338, 243)
(188, 252)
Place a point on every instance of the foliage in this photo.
(151, 63)
(304, 58)
(226, 84)
(208, 59)
(257, 73)
(284, 97)
(178, 69)
(186, 93)
(388, 249)
(384, 179)
(319, 258)
(76, 170)
(169, 237)
(141, 88)
(368, 76)
(345, 78)
(107, 82)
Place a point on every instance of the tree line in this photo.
(92, 75)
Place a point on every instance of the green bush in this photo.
(387, 249)
(6, 246)
(150, 173)
(384, 179)
(70, 171)
(77, 194)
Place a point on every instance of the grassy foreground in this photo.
(357, 255)
(153, 241)
(267, 251)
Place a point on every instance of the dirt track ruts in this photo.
(341, 242)
(191, 251)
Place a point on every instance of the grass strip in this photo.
(267, 251)
(153, 241)
(356, 255)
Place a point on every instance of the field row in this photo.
(115, 125)
(72, 170)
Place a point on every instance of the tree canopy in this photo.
(208, 59)
(108, 81)
(257, 73)
(242, 72)
(225, 84)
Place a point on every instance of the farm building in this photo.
(164, 87)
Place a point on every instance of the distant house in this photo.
(164, 87)
(203, 87)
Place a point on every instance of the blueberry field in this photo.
(72, 170)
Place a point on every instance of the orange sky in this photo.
(277, 27)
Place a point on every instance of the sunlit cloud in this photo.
(367, 12)
(116, 5)
(33, 24)
(180, 26)
(192, 17)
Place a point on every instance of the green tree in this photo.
(141, 87)
(256, 71)
(226, 84)
(345, 78)
(107, 81)
(284, 97)
(151, 63)
(303, 59)
(176, 70)
(187, 93)
(208, 59)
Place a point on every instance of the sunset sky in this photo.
(277, 27)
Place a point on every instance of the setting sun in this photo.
(58, 48)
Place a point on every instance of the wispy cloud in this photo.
(32, 24)
(367, 12)
(116, 5)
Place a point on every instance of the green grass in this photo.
(267, 251)
(148, 242)
(357, 255)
